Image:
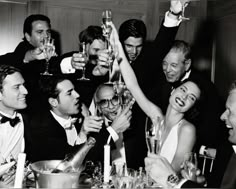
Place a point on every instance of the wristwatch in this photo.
(173, 180)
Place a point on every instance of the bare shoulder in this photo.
(187, 127)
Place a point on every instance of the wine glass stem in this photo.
(83, 72)
(183, 9)
(47, 66)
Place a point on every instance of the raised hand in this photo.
(176, 6)
(77, 61)
(122, 121)
(92, 124)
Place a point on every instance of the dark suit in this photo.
(30, 71)
(223, 174)
(49, 137)
(134, 152)
(96, 154)
(229, 179)
(148, 70)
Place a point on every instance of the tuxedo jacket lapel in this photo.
(229, 179)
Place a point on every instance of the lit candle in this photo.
(106, 171)
(20, 170)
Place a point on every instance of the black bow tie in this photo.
(12, 122)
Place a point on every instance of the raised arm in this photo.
(131, 81)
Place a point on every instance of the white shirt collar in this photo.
(63, 122)
(9, 116)
(234, 148)
(186, 76)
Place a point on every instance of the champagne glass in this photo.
(184, 4)
(49, 51)
(154, 129)
(106, 23)
(85, 61)
(190, 165)
(107, 29)
(111, 58)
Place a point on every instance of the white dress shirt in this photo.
(73, 138)
(11, 139)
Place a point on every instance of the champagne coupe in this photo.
(49, 51)
(190, 165)
(85, 61)
(184, 4)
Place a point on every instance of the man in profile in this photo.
(63, 124)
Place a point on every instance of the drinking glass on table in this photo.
(123, 177)
(49, 51)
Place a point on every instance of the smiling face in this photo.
(175, 65)
(184, 97)
(67, 102)
(133, 47)
(108, 102)
(13, 94)
(229, 115)
(40, 30)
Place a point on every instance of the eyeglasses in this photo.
(104, 103)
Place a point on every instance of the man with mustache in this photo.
(116, 124)
(64, 124)
(225, 163)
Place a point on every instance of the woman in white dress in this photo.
(179, 135)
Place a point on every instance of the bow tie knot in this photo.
(12, 121)
(70, 123)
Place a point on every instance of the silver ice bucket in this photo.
(45, 179)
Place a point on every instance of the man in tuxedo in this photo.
(29, 55)
(64, 124)
(160, 170)
(145, 58)
(116, 123)
(13, 130)
(177, 67)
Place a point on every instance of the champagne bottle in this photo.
(75, 161)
